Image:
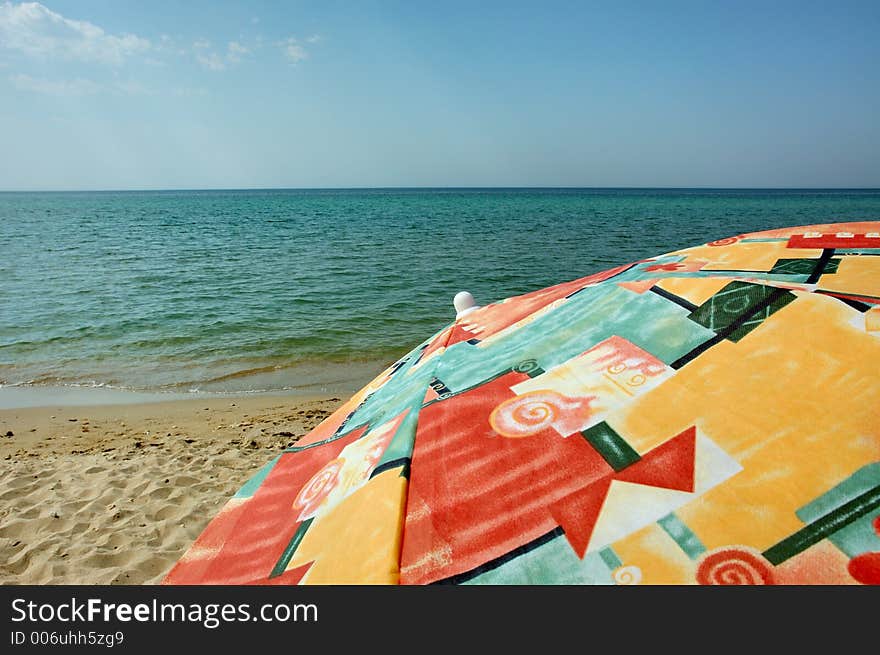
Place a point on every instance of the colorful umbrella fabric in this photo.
(708, 416)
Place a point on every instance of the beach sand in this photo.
(115, 494)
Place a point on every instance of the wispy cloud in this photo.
(294, 52)
(167, 45)
(34, 30)
(211, 61)
(235, 51)
(76, 87)
(37, 31)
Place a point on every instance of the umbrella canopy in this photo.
(711, 415)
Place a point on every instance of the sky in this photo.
(113, 94)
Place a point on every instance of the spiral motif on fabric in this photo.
(525, 415)
(627, 575)
(723, 242)
(637, 380)
(318, 487)
(734, 566)
(526, 365)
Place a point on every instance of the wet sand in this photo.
(115, 494)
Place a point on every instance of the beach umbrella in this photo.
(711, 416)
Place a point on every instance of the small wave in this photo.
(245, 373)
(245, 392)
(299, 368)
(50, 381)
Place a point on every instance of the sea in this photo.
(141, 295)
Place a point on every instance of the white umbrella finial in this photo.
(464, 303)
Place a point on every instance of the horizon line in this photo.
(449, 188)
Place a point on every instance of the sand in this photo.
(115, 494)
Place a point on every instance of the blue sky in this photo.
(124, 95)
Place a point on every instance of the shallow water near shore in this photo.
(333, 379)
(229, 292)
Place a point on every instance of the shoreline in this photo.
(35, 397)
(304, 380)
(114, 493)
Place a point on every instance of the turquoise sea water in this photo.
(315, 290)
